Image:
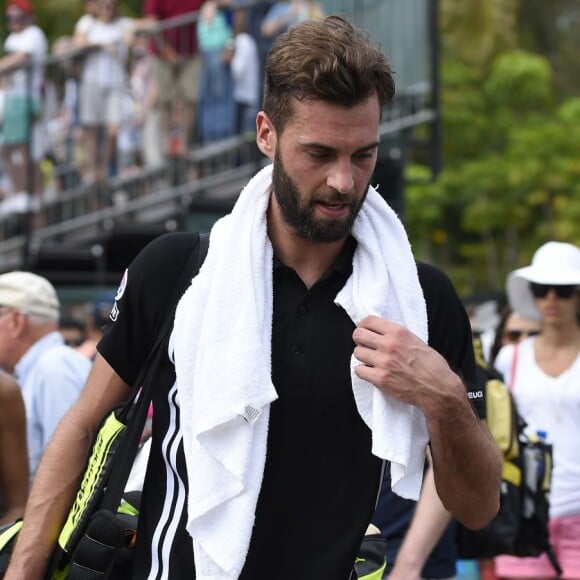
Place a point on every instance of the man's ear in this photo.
(19, 324)
(265, 135)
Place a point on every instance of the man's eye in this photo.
(317, 154)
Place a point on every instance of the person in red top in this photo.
(176, 68)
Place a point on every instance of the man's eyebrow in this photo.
(323, 147)
(373, 145)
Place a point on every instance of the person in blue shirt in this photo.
(51, 374)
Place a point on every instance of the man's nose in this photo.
(341, 178)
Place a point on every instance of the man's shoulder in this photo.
(36, 34)
(157, 267)
(60, 357)
(448, 321)
(433, 280)
(166, 254)
(155, 272)
(172, 242)
(84, 22)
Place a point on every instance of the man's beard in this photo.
(302, 219)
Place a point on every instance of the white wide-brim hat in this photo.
(555, 263)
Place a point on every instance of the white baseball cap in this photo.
(29, 293)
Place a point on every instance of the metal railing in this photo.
(74, 213)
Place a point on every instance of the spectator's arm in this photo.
(80, 40)
(13, 60)
(146, 24)
(13, 450)
(272, 26)
(430, 520)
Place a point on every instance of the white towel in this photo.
(222, 350)
(384, 282)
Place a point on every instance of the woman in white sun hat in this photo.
(544, 374)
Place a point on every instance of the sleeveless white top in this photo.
(550, 404)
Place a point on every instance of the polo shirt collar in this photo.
(342, 265)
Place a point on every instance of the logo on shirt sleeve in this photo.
(122, 286)
(120, 291)
(114, 313)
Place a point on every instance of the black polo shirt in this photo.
(320, 480)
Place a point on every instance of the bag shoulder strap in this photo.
(137, 407)
(514, 367)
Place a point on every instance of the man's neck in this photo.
(308, 258)
(311, 263)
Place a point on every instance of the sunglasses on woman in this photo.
(561, 290)
(516, 335)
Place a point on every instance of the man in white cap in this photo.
(51, 374)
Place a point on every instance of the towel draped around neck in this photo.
(222, 350)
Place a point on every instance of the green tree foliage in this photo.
(551, 28)
(519, 80)
(511, 177)
(478, 29)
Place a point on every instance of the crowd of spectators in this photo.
(119, 94)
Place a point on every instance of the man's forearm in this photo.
(467, 466)
(13, 60)
(60, 470)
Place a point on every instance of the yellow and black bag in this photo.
(371, 561)
(95, 512)
(100, 528)
(8, 535)
(98, 537)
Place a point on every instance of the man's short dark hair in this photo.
(326, 59)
